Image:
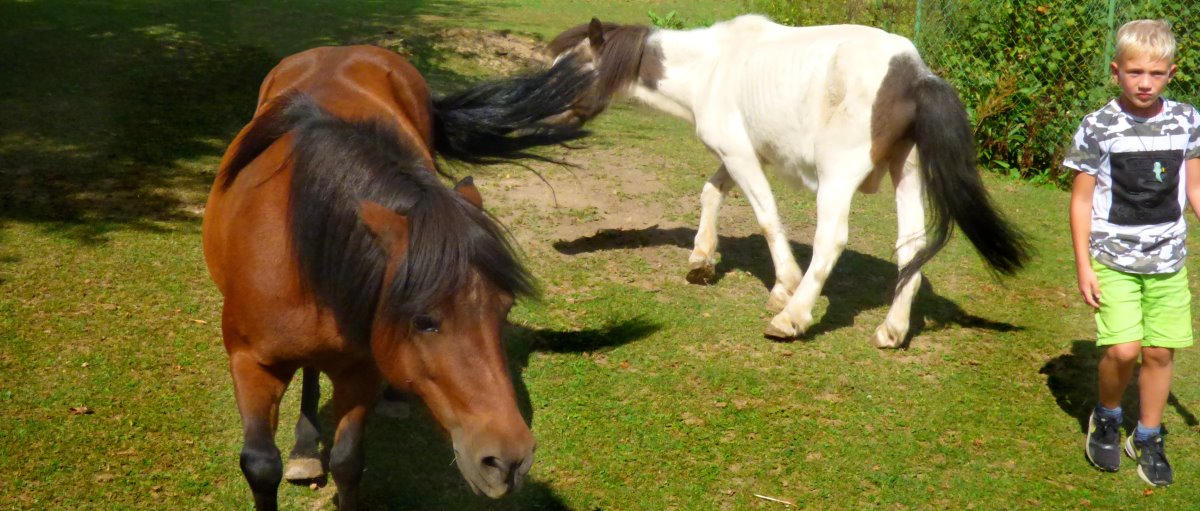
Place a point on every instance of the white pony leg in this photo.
(702, 262)
(833, 213)
(748, 174)
(910, 217)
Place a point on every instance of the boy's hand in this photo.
(1089, 286)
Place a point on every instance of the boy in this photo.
(1137, 168)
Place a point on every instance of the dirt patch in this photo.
(502, 52)
(604, 189)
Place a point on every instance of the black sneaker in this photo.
(1152, 460)
(1104, 443)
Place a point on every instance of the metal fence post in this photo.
(917, 24)
(1112, 35)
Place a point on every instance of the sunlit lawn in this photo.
(644, 392)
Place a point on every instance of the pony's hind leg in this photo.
(304, 462)
(702, 262)
(258, 390)
(354, 391)
(910, 218)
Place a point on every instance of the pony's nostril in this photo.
(492, 461)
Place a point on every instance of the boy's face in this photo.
(1142, 79)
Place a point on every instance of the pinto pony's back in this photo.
(833, 107)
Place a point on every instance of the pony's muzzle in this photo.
(496, 467)
(505, 474)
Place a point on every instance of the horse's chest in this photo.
(301, 337)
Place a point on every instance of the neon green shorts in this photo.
(1155, 309)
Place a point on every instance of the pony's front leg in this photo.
(833, 213)
(258, 390)
(910, 218)
(354, 392)
(702, 263)
(748, 174)
(304, 462)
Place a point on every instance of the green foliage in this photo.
(1030, 71)
(671, 21)
(892, 15)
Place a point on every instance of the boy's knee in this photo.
(1124, 353)
(1157, 356)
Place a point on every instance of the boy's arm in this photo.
(1081, 230)
(1192, 168)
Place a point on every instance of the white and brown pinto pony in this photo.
(833, 107)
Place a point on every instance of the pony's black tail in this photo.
(953, 189)
(498, 121)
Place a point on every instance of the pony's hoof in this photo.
(778, 299)
(781, 329)
(303, 469)
(702, 275)
(885, 338)
(393, 409)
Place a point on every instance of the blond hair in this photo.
(1151, 38)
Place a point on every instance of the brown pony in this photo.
(338, 249)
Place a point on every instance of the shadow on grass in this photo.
(410, 461)
(858, 282)
(1071, 379)
(116, 113)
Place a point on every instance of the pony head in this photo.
(618, 54)
(450, 354)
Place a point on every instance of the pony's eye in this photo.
(425, 323)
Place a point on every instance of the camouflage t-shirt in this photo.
(1137, 208)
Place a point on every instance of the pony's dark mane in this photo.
(621, 56)
(337, 164)
(263, 131)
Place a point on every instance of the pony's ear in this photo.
(596, 33)
(389, 227)
(467, 189)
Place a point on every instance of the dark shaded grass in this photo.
(116, 113)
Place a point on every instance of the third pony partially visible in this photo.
(834, 107)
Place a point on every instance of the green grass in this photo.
(644, 392)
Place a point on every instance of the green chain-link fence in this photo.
(1029, 71)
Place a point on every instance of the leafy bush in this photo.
(1028, 71)
(896, 16)
(673, 21)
